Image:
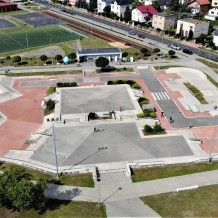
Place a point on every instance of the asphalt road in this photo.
(197, 51)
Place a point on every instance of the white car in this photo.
(175, 46)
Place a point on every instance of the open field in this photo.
(82, 180)
(201, 202)
(146, 174)
(35, 37)
(58, 209)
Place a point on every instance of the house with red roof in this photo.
(143, 13)
(7, 6)
(199, 6)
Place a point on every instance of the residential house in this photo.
(164, 21)
(143, 13)
(212, 14)
(215, 37)
(214, 3)
(148, 2)
(6, 6)
(119, 7)
(101, 4)
(187, 26)
(199, 6)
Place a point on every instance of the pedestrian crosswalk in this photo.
(160, 96)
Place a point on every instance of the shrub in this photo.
(146, 101)
(114, 82)
(120, 82)
(136, 86)
(152, 114)
(50, 105)
(73, 84)
(157, 128)
(156, 50)
(130, 82)
(66, 84)
(144, 50)
(171, 52)
(51, 90)
(141, 99)
(110, 82)
(141, 115)
(8, 57)
(124, 54)
(148, 129)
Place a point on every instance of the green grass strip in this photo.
(146, 174)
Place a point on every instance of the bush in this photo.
(124, 54)
(130, 82)
(8, 57)
(156, 50)
(144, 102)
(110, 82)
(136, 86)
(147, 129)
(114, 82)
(144, 50)
(171, 52)
(51, 90)
(101, 62)
(141, 115)
(50, 105)
(120, 82)
(158, 128)
(66, 84)
(152, 114)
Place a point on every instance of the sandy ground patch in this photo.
(50, 51)
(118, 45)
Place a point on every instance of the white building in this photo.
(119, 7)
(101, 4)
(212, 14)
(148, 2)
(198, 27)
(215, 37)
(143, 13)
(214, 3)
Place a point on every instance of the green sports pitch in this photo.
(35, 37)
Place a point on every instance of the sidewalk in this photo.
(112, 193)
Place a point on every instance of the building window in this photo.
(212, 12)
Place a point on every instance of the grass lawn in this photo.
(165, 67)
(194, 90)
(44, 73)
(82, 180)
(133, 52)
(202, 202)
(60, 209)
(94, 42)
(146, 174)
(208, 63)
(212, 80)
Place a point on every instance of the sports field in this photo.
(35, 37)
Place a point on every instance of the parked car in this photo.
(187, 51)
(132, 32)
(174, 46)
(140, 35)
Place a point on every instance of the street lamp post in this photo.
(55, 148)
(214, 136)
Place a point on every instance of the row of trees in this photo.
(58, 57)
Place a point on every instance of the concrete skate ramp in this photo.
(6, 90)
(186, 72)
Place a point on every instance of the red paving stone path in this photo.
(24, 116)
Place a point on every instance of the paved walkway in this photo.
(112, 193)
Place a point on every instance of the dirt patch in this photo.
(50, 51)
(119, 45)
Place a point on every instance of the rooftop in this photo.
(163, 14)
(194, 21)
(147, 9)
(98, 50)
(4, 3)
(200, 2)
(122, 2)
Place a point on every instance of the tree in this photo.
(43, 58)
(50, 105)
(92, 5)
(190, 34)
(174, 5)
(156, 50)
(125, 54)
(16, 59)
(107, 10)
(101, 62)
(144, 50)
(171, 52)
(156, 5)
(72, 56)
(58, 57)
(127, 14)
(18, 192)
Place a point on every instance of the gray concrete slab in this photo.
(133, 207)
(79, 145)
(95, 99)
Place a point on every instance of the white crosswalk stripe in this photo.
(160, 96)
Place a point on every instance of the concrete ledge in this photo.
(187, 188)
